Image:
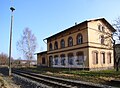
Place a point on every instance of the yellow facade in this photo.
(85, 45)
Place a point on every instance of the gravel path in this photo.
(27, 83)
(16, 81)
(7, 82)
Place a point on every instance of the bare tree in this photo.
(27, 44)
(3, 59)
(116, 36)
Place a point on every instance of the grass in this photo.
(101, 77)
(3, 83)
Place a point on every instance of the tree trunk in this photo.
(117, 65)
(114, 55)
(117, 68)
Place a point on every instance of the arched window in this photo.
(80, 58)
(101, 28)
(50, 61)
(79, 39)
(62, 43)
(70, 41)
(62, 59)
(50, 46)
(43, 60)
(56, 45)
(70, 58)
(102, 39)
(56, 60)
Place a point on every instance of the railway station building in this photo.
(87, 45)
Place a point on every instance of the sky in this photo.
(48, 17)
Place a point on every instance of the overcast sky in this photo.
(47, 17)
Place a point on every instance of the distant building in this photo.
(23, 63)
(80, 46)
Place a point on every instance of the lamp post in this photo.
(12, 9)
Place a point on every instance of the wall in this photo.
(100, 65)
(39, 59)
(95, 44)
(91, 42)
(74, 49)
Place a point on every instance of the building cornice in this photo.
(53, 52)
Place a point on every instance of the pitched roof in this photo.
(102, 19)
(44, 52)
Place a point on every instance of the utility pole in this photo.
(12, 9)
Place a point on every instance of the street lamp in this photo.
(12, 9)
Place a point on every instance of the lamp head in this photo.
(12, 9)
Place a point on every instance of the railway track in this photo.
(57, 82)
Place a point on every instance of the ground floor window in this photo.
(70, 58)
(56, 60)
(103, 57)
(50, 61)
(62, 59)
(43, 60)
(109, 58)
(95, 57)
(80, 58)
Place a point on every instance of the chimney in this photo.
(75, 23)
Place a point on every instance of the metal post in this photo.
(12, 9)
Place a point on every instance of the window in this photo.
(102, 39)
(62, 59)
(56, 60)
(80, 58)
(95, 57)
(50, 61)
(62, 43)
(70, 41)
(43, 60)
(101, 28)
(50, 46)
(109, 58)
(103, 57)
(79, 39)
(56, 45)
(70, 58)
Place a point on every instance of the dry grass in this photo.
(3, 83)
(100, 77)
(6, 82)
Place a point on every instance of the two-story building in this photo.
(85, 45)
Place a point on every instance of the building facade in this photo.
(84, 46)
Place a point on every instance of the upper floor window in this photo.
(62, 43)
(50, 46)
(101, 28)
(102, 39)
(56, 45)
(70, 41)
(79, 39)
